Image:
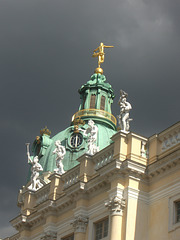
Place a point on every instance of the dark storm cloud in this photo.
(45, 56)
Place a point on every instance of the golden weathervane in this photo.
(100, 56)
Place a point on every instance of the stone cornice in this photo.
(14, 237)
(170, 130)
(137, 136)
(23, 222)
(168, 151)
(118, 135)
(164, 165)
(75, 189)
(110, 170)
(97, 186)
(43, 210)
(124, 168)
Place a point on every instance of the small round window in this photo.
(76, 140)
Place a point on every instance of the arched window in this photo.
(93, 101)
(102, 106)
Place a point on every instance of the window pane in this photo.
(101, 229)
(102, 106)
(106, 227)
(93, 101)
(178, 211)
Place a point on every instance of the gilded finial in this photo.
(78, 121)
(45, 131)
(76, 129)
(100, 56)
(38, 139)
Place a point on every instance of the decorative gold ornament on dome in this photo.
(100, 56)
(45, 131)
(76, 129)
(38, 139)
(78, 121)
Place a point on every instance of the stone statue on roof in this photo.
(125, 108)
(91, 132)
(60, 152)
(35, 169)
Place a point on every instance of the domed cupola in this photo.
(96, 99)
(94, 113)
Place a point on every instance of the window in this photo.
(102, 106)
(93, 101)
(101, 229)
(177, 211)
(174, 212)
(71, 237)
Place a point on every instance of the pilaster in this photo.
(56, 186)
(80, 224)
(29, 202)
(120, 145)
(153, 149)
(86, 167)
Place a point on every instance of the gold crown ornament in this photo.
(45, 131)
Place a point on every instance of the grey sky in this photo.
(45, 56)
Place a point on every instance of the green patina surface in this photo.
(45, 148)
(48, 161)
(98, 87)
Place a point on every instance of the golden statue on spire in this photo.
(100, 56)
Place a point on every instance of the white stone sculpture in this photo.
(125, 108)
(35, 169)
(60, 151)
(91, 132)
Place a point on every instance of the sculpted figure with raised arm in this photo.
(60, 152)
(35, 169)
(125, 108)
(101, 53)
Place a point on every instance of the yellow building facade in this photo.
(129, 190)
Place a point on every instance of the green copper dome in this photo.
(96, 99)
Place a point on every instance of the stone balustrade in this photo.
(104, 158)
(42, 195)
(71, 177)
